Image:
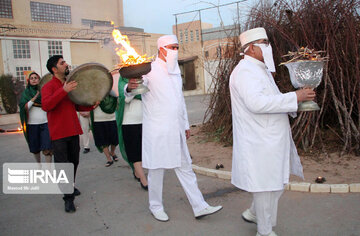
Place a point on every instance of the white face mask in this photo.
(268, 56)
(172, 61)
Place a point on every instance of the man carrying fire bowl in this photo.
(264, 152)
(165, 130)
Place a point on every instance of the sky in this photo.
(157, 16)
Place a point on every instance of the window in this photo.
(93, 23)
(21, 49)
(206, 53)
(197, 35)
(191, 35)
(46, 12)
(55, 48)
(20, 72)
(186, 36)
(181, 36)
(5, 9)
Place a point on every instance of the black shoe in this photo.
(138, 179)
(69, 206)
(76, 192)
(115, 158)
(86, 150)
(144, 187)
(109, 163)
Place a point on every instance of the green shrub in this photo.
(7, 94)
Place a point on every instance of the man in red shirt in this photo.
(64, 126)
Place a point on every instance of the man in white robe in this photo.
(165, 130)
(264, 153)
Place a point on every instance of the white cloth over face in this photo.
(264, 152)
(164, 119)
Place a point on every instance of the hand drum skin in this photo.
(94, 83)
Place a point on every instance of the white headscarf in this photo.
(171, 55)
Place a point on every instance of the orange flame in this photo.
(128, 56)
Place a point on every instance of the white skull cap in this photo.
(166, 40)
(252, 35)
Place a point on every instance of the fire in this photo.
(128, 56)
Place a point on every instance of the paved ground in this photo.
(112, 203)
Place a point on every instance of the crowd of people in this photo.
(151, 129)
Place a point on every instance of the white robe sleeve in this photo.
(258, 100)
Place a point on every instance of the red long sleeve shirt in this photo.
(61, 111)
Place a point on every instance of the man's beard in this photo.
(67, 71)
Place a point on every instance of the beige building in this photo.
(201, 46)
(33, 30)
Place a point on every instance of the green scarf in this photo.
(120, 116)
(107, 105)
(26, 96)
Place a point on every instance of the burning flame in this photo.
(128, 56)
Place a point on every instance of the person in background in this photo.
(84, 118)
(129, 121)
(103, 123)
(264, 152)
(165, 130)
(64, 125)
(34, 120)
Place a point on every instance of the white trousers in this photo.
(85, 126)
(188, 181)
(264, 206)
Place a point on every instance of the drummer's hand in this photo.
(96, 104)
(187, 133)
(69, 86)
(305, 94)
(133, 84)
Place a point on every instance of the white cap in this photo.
(252, 35)
(166, 40)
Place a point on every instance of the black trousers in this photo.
(66, 150)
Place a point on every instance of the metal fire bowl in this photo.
(135, 71)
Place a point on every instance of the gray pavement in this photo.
(113, 203)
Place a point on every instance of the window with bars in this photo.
(186, 36)
(46, 12)
(21, 49)
(93, 23)
(191, 35)
(6, 9)
(20, 72)
(55, 48)
(197, 35)
(181, 36)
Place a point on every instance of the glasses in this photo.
(172, 47)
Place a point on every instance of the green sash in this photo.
(120, 116)
(26, 96)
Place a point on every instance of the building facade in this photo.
(31, 31)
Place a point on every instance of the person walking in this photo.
(34, 120)
(165, 130)
(264, 152)
(64, 125)
(129, 119)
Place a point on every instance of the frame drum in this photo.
(94, 83)
(46, 78)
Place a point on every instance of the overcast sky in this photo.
(157, 16)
